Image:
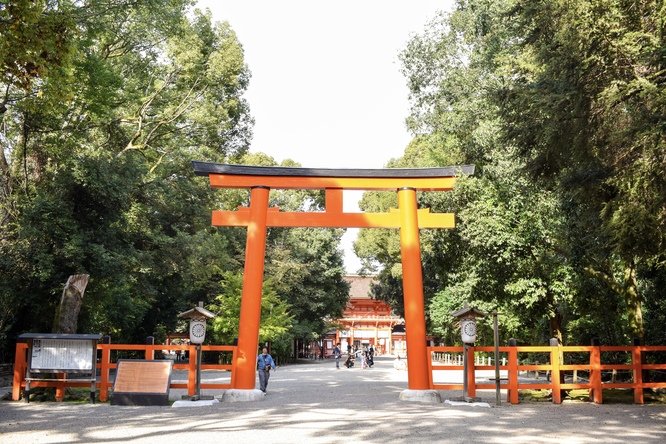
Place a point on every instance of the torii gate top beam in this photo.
(244, 176)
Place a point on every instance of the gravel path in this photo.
(315, 403)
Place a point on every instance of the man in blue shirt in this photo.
(337, 353)
(265, 364)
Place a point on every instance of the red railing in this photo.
(511, 367)
(105, 365)
(595, 367)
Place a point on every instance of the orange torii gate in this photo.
(408, 218)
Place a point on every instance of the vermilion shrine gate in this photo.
(258, 217)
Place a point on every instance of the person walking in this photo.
(265, 364)
(337, 353)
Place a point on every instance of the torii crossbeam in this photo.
(258, 216)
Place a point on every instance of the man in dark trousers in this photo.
(337, 353)
(265, 364)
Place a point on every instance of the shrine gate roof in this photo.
(206, 168)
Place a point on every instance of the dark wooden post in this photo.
(150, 352)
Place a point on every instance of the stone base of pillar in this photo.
(237, 395)
(431, 396)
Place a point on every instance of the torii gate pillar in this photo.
(253, 278)
(412, 284)
(408, 218)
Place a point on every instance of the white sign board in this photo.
(62, 354)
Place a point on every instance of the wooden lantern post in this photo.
(467, 317)
(197, 317)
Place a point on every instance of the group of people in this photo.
(265, 362)
(367, 357)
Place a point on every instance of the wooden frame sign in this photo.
(142, 382)
(61, 354)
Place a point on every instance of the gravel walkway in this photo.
(315, 403)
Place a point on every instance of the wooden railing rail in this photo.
(513, 368)
(106, 363)
(554, 366)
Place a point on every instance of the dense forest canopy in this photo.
(104, 105)
(560, 105)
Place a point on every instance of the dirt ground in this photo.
(315, 403)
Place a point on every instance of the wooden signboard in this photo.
(142, 382)
(61, 354)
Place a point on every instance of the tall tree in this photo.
(584, 102)
(100, 179)
(506, 251)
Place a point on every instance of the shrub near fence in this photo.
(557, 357)
(108, 355)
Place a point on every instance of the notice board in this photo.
(61, 354)
(68, 353)
(142, 382)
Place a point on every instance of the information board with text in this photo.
(62, 355)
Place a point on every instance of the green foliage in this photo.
(563, 217)
(96, 172)
(585, 106)
(306, 270)
(276, 321)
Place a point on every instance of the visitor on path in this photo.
(399, 364)
(364, 362)
(265, 364)
(337, 353)
(349, 363)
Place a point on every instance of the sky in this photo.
(326, 89)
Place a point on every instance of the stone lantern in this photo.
(467, 317)
(197, 316)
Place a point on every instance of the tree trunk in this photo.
(555, 326)
(628, 290)
(67, 315)
(632, 298)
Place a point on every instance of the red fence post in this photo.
(637, 362)
(596, 392)
(430, 377)
(105, 365)
(20, 367)
(471, 373)
(192, 371)
(60, 387)
(512, 368)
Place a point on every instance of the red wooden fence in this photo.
(105, 364)
(595, 367)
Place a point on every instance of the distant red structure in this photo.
(368, 322)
